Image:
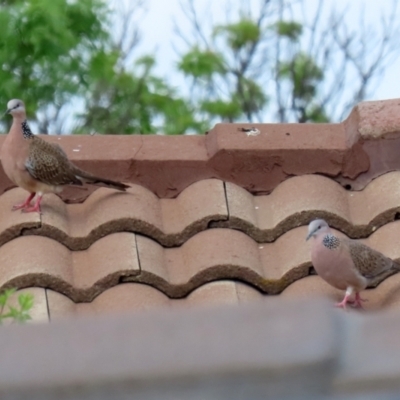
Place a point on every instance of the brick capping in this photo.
(353, 152)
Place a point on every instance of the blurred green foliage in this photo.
(20, 312)
(46, 47)
(63, 53)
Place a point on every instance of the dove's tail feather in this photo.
(396, 266)
(95, 180)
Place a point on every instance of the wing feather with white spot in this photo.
(48, 163)
(369, 262)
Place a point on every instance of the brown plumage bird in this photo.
(38, 166)
(347, 264)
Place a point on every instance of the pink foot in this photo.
(343, 303)
(35, 208)
(357, 302)
(25, 204)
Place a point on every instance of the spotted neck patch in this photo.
(26, 130)
(331, 242)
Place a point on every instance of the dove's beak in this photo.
(309, 235)
(7, 112)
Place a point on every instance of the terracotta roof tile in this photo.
(121, 298)
(210, 255)
(385, 296)
(208, 219)
(107, 261)
(311, 287)
(172, 222)
(221, 292)
(128, 297)
(80, 275)
(77, 226)
(298, 200)
(27, 261)
(61, 306)
(221, 254)
(200, 204)
(14, 224)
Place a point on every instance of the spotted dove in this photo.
(38, 166)
(347, 264)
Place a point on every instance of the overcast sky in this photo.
(157, 32)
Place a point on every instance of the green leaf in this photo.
(239, 34)
(201, 64)
(147, 61)
(224, 109)
(46, 47)
(5, 296)
(26, 301)
(304, 74)
(317, 114)
(13, 312)
(102, 64)
(16, 314)
(251, 96)
(291, 30)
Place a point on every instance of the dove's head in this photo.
(15, 107)
(317, 227)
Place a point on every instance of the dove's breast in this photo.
(335, 266)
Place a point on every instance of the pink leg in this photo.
(346, 299)
(358, 301)
(36, 207)
(25, 204)
(343, 303)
